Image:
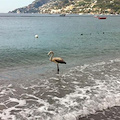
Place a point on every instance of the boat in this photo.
(62, 15)
(101, 17)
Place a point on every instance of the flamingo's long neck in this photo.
(52, 54)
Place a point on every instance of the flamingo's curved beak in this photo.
(48, 54)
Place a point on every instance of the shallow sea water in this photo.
(29, 86)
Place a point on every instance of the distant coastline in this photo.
(71, 7)
(53, 15)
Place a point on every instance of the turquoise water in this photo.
(63, 35)
(30, 87)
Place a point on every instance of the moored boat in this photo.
(101, 17)
(62, 15)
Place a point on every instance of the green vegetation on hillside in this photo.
(72, 6)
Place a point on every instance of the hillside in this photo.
(31, 8)
(72, 6)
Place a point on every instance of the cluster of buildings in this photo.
(73, 6)
(79, 7)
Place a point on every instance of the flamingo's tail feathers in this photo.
(60, 61)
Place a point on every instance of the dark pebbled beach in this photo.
(108, 114)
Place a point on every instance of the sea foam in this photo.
(81, 91)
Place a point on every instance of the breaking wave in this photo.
(81, 91)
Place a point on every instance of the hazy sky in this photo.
(9, 5)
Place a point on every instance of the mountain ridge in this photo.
(31, 8)
(71, 6)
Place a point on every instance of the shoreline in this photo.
(112, 113)
(54, 15)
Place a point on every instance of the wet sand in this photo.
(109, 114)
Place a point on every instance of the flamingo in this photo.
(56, 60)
